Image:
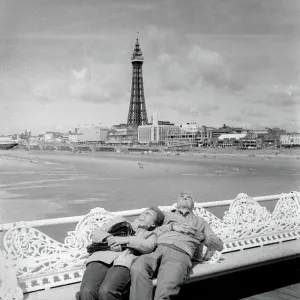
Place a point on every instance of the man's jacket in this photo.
(187, 243)
(141, 242)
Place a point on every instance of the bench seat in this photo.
(232, 262)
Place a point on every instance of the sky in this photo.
(65, 63)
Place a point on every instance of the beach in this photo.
(38, 185)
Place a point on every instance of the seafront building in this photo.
(186, 135)
(123, 134)
(89, 134)
(24, 135)
(290, 140)
(216, 132)
(156, 131)
(205, 136)
(233, 139)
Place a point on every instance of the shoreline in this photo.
(283, 152)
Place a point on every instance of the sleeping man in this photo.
(178, 241)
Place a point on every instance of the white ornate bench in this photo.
(32, 261)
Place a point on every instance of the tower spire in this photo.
(137, 54)
(137, 114)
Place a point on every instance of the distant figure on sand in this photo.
(141, 165)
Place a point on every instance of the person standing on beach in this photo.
(178, 241)
(107, 274)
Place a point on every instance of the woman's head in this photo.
(151, 218)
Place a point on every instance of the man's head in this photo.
(151, 218)
(185, 204)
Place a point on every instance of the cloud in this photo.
(48, 92)
(223, 81)
(79, 74)
(187, 64)
(90, 93)
(283, 99)
(181, 109)
(252, 112)
(234, 118)
(157, 105)
(204, 57)
(206, 109)
(189, 108)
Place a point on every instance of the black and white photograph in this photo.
(149, 150)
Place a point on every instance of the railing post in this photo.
(9, 289)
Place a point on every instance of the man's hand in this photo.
(183, 228)
(117, 240)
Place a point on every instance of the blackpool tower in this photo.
(137, 114)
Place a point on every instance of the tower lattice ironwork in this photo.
(137, 114)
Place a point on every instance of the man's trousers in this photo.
(171, 267)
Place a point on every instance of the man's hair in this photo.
(186, 199)
(160, 217)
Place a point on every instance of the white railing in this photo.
(127, 213)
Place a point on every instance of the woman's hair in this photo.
(160, 217)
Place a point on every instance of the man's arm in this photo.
(170, 219)
(208, 238)
(211, 240)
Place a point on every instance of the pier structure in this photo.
(137, 114)
(33, 265)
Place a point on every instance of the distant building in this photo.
(49, 137)
(64, 137)
(155, 132)
(90, 134)
(123, 134)
(290, 140)
(260, 131)
(226, 130)
(272, 137)
(189, 127)
(25, 135)
(187, 134)
(223, 130)
(73, 138)
(233, 139)
(205, 135)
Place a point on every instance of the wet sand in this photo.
(37, 185)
